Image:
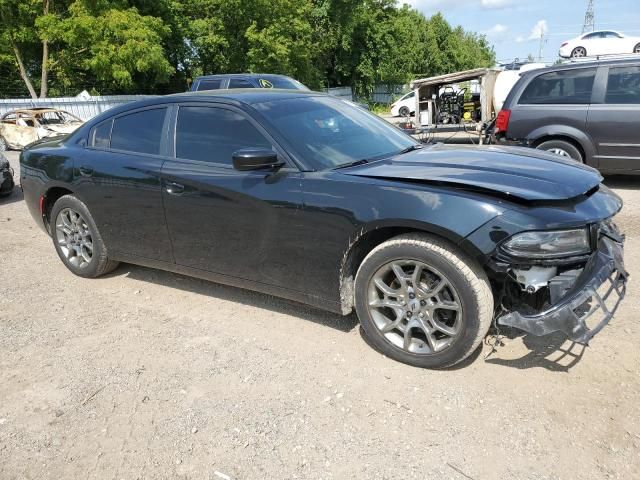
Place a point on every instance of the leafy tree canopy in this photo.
(55, 47)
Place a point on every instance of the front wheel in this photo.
(579, 52)
(637, 48)
(562, 148)
(423, 302)
(404, 112)
(77, 240)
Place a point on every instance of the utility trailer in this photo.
(431, 94)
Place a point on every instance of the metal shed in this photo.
(427, 96)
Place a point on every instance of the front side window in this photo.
(211, 134)
(139, 132)
(570, 87)
(101, 134)
(330, 132)
(239, 83)
(623, 86)
(210, 84)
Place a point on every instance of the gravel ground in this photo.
(150, 375)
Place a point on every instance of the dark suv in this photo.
(589, 111)
(246, 80)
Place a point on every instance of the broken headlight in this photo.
(553, 244)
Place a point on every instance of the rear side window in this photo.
(239, 83)
(211, 84)
(212, 134)
(624, 86)
(139, 132)
(570, 87)
(101, 134)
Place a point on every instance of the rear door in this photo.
(221, 220)
(553, 102)
(614, 118)
(118, 178)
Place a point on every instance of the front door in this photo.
(222, 220)
(613, 120)
(118, 177)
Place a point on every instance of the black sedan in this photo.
(303, 196)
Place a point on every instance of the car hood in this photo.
(519, 173)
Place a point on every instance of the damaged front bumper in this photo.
(603, 276)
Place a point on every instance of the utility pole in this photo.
(589, 18)
(543, 42)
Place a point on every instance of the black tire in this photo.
(404, 111)
(100, 263)
(557, 146)
(579, 52)
(469, 280)
(6, 188)
(636, 49)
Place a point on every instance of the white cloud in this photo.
(495, 3)
(539, 29)
(497, 30)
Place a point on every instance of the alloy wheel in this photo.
(74, 238)
(415, 307)
(579, 52)
(560, 151)
(637, 49)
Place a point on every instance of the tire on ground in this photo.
(568, 147)
(466, 276)
(100, 263)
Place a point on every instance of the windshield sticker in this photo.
(265, 83)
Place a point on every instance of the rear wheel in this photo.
(77, 240)
(579, 52)
(637, 48)
(404, 111)
(561, 148)
(423, 302)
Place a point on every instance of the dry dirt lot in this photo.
(150, 375)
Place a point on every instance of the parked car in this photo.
(303, 196)
(589, 112)
(404, 106)
(6, 177)
(606, 42)
(21, 127)
(245, 80)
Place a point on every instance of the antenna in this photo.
(589, 18)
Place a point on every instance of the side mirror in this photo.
(255, 159)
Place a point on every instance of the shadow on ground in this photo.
(238, 295)
(552, 352)
(628, 182)
(15, 196)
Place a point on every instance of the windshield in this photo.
(281, 82)
(330, 132)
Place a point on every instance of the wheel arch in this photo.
(577, 138)
(370, 236)
(49, 198)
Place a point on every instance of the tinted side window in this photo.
(101, 134)
(139, 132)
(624, 86)
(211, 84)
(213, 134)
(564, 87)
(239, 83)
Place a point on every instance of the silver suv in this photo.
(589, 111)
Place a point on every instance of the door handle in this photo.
(86, 171)
(174, 188)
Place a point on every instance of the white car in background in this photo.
(605, 42)
(404, 106)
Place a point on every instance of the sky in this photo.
(514, 27)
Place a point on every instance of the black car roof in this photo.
(242, 75)
(249, 96)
